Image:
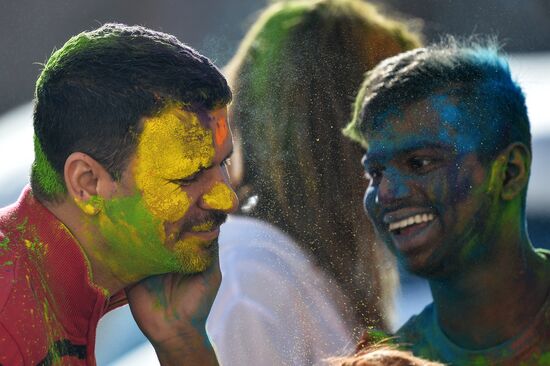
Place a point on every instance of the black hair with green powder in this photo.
(94, 91)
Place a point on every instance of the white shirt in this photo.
(273, 306)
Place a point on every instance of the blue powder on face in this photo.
(457, 124)
(447, 110)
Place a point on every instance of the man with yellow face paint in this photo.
(128, 190)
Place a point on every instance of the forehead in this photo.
(177, 142)
(176, 125)
(439, 120)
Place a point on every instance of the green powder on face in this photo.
(135, 240)
(42, 171)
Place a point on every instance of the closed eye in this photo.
(184, 182)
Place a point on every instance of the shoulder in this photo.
(249, 245)
(259, 261)
(13, 263)
(267, 275)
(422, 336)
(260, 256)
(10, 353)
(416, 329)
(8, 264)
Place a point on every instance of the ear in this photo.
(516, 170)
(87, 182)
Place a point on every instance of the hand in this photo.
(171, 311)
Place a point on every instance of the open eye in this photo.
(421, 163)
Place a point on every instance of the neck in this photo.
(89, 239)
(493, 299)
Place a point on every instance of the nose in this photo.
(392, 187)
(220, 197)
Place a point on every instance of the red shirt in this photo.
(49, 305)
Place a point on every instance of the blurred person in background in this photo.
(448, 156)
(128, 189)
(302, 269)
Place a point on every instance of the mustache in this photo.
(216, 218)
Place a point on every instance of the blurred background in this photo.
(32, 29)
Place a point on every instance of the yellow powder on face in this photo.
(207, 226)
(134, 240)
(193, 253)
(220, 197)
(172, 146)
(90, 207)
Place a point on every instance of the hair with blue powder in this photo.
(475, 71)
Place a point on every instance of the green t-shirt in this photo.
(422, 335)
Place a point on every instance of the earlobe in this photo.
(516, 171)
(85, 179)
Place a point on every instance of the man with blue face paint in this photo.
(448, 153)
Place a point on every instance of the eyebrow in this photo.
(202, 168)
(376, 157)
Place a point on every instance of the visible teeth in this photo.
(411, 220)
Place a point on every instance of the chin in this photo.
(196, 257)
(429, 268)
(420, 264)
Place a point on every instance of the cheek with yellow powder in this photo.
(172, 146)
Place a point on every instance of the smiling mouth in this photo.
(410, 221)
